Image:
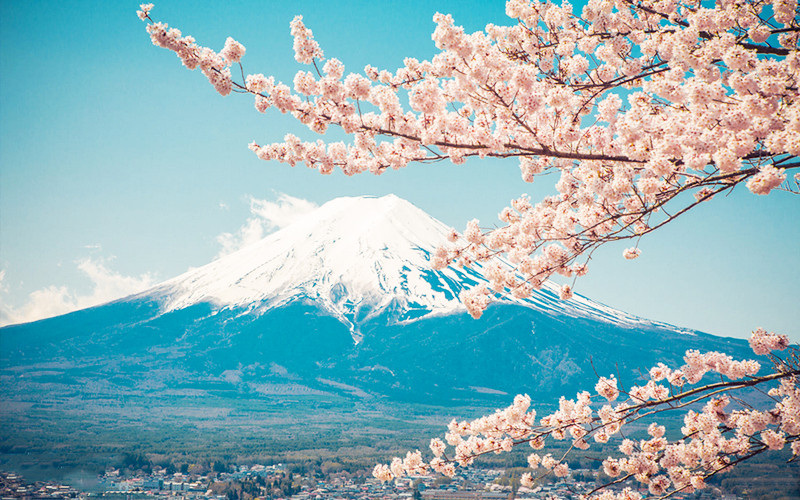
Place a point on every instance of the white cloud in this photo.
(281, 213)
(268, 216)
(107, 285)
(250, 232)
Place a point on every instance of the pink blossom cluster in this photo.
(698, 364)
(763, 343)
(215, 66)
(767, 179)
(631, 253)
(607, 387)
(233, 51)
(712, 438)
(306, 49)
(475, 300)
(144, 13)
(492, 433)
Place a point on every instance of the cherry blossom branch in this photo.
(714, 439)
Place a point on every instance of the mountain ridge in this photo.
(357, 257)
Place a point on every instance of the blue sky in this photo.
(119, 168)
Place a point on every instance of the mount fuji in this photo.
(340, 308)
(355, 259)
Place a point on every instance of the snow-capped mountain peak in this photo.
(353, 256)
(356, 258)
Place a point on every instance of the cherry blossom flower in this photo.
(631, 253)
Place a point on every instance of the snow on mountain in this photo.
(355, 258)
